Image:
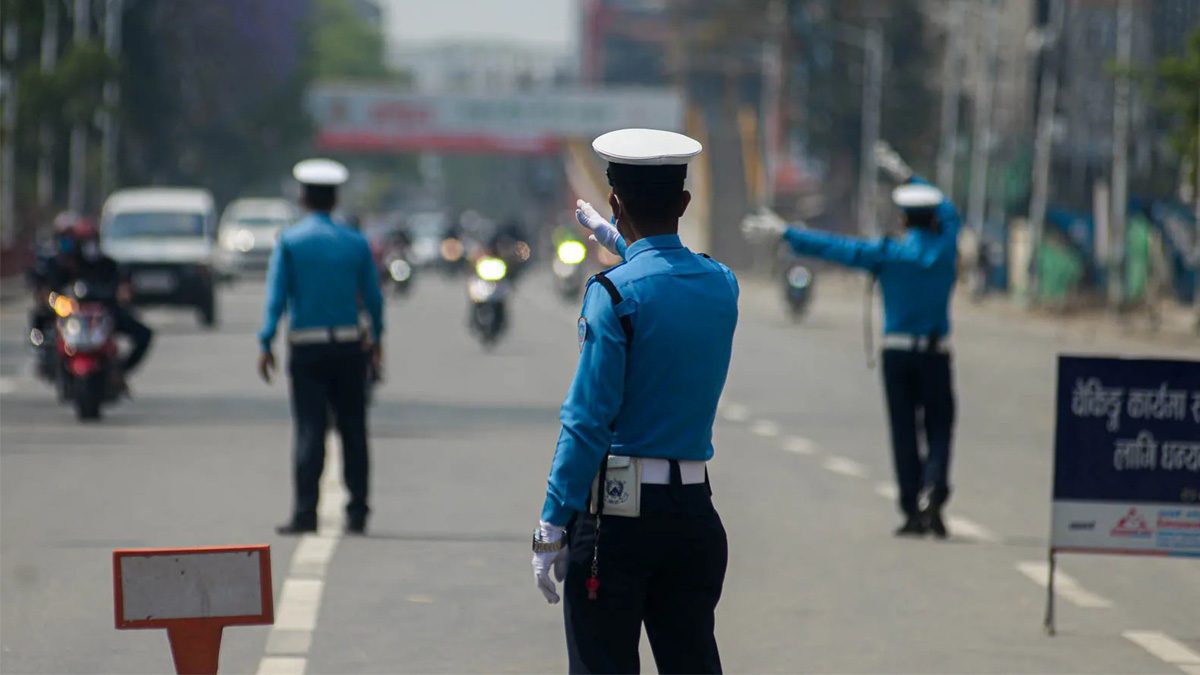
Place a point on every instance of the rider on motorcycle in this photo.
(78, 258)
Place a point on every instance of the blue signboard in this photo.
(1127, 456)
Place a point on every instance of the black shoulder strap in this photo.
(626, 322)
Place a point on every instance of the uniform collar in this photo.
(321, 216)
(662, 241)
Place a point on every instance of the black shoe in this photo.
(933, 521)
(292, 529)
(914, 526)
(356, 528)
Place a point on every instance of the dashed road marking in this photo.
(887, 490)
(1064, 585)
(300, 600)
(736, 412)
(971, 530)
(846, 467)
(799, 445)
(764, 428)
(1164, 648)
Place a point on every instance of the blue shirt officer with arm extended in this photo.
(655, 337)
(916, 273)
(319, 272)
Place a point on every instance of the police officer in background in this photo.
(319, 272)
(916, 273)
(628, 519)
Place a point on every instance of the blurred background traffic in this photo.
(1067, 130)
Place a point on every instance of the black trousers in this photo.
(920, 393)
(138, 333)
(327, 377)
(665, 569)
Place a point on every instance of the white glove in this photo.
(542, 562)
(889, 160)
(762, 227)
(603, 231)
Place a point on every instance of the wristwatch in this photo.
(540, 546)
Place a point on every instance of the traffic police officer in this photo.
(320, 271)
(916, 273)
(655, 338)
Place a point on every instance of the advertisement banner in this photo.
(355, 118)
(1127, 457)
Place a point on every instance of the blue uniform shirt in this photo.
(916, 272)
(659, 397)
(321, 272)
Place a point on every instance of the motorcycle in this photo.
(399, 272)
(488, 290)
(797, 288)
(568, 269)
(86, 350)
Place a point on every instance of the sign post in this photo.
(1126, 460)
(193, 593)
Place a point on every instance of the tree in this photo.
(345, 45)
(1180, 76)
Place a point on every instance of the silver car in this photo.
(248, 232)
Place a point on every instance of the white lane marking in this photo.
(1064, 585)
(799, 445)
(736, 412)
(887, 490)
(971, 529)
(1166, 649)
(282, 665)
(299, 603)
(764, 428)
(845, 467)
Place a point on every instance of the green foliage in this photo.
(1180, 76)
(345, 46)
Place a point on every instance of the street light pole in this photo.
(951, 83)
(1120, 169)
(112, 95)
(981, 146)
(1047, 100)
(45, 176)
(77, 185)
(871, 104)
(8, 154)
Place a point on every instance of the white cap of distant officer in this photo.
(320, 179)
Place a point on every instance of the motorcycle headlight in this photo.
(480, 290)
(400, 270)
(81, 289)
(799, 277)
(491, 269)
(572, 252)
(72, 327)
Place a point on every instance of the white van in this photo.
(165, 238)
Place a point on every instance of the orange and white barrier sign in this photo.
(193, 593)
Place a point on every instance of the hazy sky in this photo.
(550, 23)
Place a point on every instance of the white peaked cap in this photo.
(646, 147)
(321, 172)
(917, 196)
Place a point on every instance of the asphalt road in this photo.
(461, 442)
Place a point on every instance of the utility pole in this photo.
(77, 185)
(1120, 168)
(871, 104)
(951, 85)
(45, 175)
(113, 12)
(8, 154)
(1047, 100)
(1196, 237)
(981, 146)
(771, 97)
